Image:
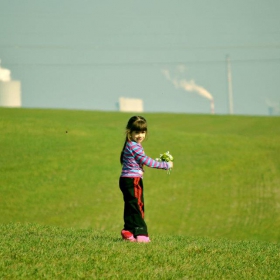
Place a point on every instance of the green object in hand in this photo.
(165, 157)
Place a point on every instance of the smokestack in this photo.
(212, 105)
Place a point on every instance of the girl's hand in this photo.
(170, 163)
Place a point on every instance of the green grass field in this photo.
(59, 171)
(33, 251)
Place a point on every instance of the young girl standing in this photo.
(133, 159)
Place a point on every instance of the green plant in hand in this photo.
(166, 157)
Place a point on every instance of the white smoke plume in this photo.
(188, 85)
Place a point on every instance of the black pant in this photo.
(132, 189)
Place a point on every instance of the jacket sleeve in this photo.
(140, 157)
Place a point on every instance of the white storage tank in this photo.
(131, 104)
(10, 94)
(10, 91)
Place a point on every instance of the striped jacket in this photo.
(134, 158)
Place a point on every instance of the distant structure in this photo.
(229, 77)
(10, 91)
(273, 107)
(130, 105)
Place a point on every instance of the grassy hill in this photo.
(61, 168)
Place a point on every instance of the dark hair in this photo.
(135, 123)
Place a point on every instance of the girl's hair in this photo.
(135, 123)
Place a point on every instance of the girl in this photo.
(133, 159)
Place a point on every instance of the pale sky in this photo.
(81, 54)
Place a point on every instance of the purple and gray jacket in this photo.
(134, 158)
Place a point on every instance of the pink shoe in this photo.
(127, 235)
(143, 238)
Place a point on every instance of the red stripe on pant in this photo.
(138, 191)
